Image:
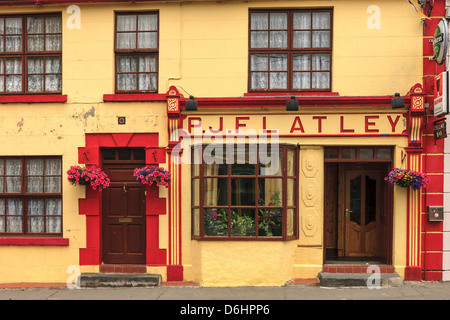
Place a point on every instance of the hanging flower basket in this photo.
(152, 175)
(92, 176)
(407, 178)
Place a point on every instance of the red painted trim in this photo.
(34, 241)
(304, 101)
(33, 99)
(289, 94)
(136, 97)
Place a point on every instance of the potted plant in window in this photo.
(150, 175)
(270, 220)
(408, 178)
(92, 176)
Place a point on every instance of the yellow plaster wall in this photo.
(203, 51)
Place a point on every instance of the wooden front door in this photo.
(362, 207)
(123, 207)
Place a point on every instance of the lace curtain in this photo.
(42, 176)
(145, 25)
(137, 72)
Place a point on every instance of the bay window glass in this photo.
(244, 191)
(290, 50)
(30, 54)
(30, 196)
(136, 52)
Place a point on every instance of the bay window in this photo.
(30, 196)
(244, 192)
(290, 50)
(30, 54)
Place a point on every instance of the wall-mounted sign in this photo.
(440, 129)
(441, 94)
(440, 41)
(435, 213)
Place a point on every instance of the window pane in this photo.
(270, 192)
(215, 191)
(36, 207)
(348, 153)
(53, 207)
(13, 43)
(147, 82)
(259, 62)
(383, 153)
(216, 222)
(278, 21)
(321, 39)
(260, 80)
(35, 43)
(13, 65)
(13, 167)
(270, 161)
(35, 83)
(53, 224)
(147, 40)
(290, 222)
(278, 62)
(147, 22)
(321, 80)
(14, 224)
(53, 82)
(126, 64)
(35, 65)
(302, 20)
(2, 25)
(52, 184)
(301, 62)
(242, 192)
(331, 153)
(302, 39)
(53, 167)
(278, 80)
(147, 63)
(35, 25)
(278, 39)
(126, 23)
(13, 25)
(291, 162)
(244, 161)
(366, 153)
(243, 222)
(52, 64)
(195, 201)
(196, 222)
(301, 80)
(321, 62)
(321, 20)
(270, 222)
(53, 42)
(126, 82)
(259, 21)
(126, 40)
(53, 25)
(259, 39)
(290, 192)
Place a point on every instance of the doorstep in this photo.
(118, 280)
(327, 279)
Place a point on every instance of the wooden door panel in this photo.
(124, 224)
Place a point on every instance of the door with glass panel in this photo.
(362, 207)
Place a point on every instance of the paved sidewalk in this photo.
(409, 291)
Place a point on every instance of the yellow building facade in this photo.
(118, 99)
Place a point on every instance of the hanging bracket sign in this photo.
(440, 41)
(441, 90)
(440, 129)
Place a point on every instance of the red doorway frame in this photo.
(91, 205)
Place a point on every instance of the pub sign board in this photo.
(440, 129)
(441, 87)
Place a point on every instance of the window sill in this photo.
(288, 94)
(134, 97)
(33, 98)
(34, 241)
